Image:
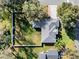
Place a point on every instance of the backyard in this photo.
(27, 35)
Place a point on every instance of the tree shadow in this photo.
(29, 53)
(17, 56)
(23, 24)
(71, 33)
(25, 53)
(25, 29)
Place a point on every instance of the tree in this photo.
(68, 14)
(34, 11)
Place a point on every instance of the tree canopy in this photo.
(34, 11)
(68, 14)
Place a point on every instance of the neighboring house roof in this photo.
(51, 54)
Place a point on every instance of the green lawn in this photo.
(68, 41)
(27, 36)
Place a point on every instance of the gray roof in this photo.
(39, 24)
(51, 54)
(49, 31)
(51, 22)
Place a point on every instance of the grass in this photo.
(65, 38)
(34, 37)
(32, 53)
(28, 36)
(68, 41)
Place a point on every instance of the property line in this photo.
(13, 33)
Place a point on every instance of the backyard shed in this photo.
(51, 54)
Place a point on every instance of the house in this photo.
(49, 29)
(51, 54)
(49, 26)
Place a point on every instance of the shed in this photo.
(52, 54)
